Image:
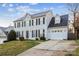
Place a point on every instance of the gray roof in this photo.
(22, 18)
(40, 14)
(33, 15)
(63, 21)
(3, 29)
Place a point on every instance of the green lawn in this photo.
(76, 51)
(13, 48)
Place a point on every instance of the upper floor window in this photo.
(32, 22)
(18, 24)
(36, 21)
(39, 21)
(43, 20)
(29, 22)
(24, 23)
(15, 25)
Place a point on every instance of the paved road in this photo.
(50, 48)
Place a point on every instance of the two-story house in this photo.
(32, 26)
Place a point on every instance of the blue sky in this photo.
(12, 11)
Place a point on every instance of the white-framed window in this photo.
(15, 25)
(24, 23)
(32, 22)
(22, 33)
(43, 20)
(29, 22)
(18, 24)
(43, 32)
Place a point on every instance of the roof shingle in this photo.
(63, 21)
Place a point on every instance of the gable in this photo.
(63, 21)
(2, 33)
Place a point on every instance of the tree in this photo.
(74, 8)
(11, 35)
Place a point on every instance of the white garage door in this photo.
(57, 35)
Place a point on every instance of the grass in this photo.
(76, 51)
(13, 48)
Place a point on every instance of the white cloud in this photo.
(4, 5)
(5, 22)
(10, 5)
(26, 9)
(45, 8)
(33, 3)
(51, 8)
(22, 8)
(10, 9)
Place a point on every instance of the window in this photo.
(32, 22)
(24, 23)
(18, 24)
(29, 22)
(32, 33)
(38, 33)
(36, 21)
(22, 33)
(39, 21)
(43, 33)
(18, 34)
(27, 34)
(15, 25)
(43, 20)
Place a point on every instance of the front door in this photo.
(27, 34)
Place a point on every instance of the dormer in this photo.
(57, 19)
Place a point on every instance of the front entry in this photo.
(27, 34)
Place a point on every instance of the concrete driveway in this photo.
(50, 48)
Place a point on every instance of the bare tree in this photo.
(74, 8)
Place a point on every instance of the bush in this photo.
(37, 39)
(69, 55)
(42, 38)
(11, 35)
(5, 41)
(21, 38)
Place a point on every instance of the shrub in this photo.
(21, 38)
(37, 39)
(5, 41)
(42, 38)
(11, 35)
(49, 39)
(69, 55)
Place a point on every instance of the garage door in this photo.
(58, 35)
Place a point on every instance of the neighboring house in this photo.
(8, 29)
(42, 24)
(4, 32)
(3, 36)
